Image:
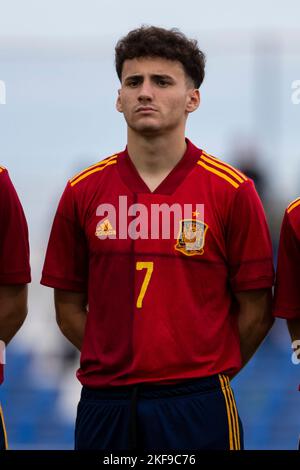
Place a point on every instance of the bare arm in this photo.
(71, 311)
(13, 310)
(294, 328)
(254, 320)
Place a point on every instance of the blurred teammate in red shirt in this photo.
(287, 291)
(14, 272)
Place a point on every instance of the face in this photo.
(156, 96)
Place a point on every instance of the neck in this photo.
(153, 155)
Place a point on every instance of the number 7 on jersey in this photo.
(139, 266)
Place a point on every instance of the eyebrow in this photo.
(152, 76)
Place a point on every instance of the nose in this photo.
(145, 92)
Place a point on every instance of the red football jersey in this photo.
(161, 306)
(14, 246)
(287, 292)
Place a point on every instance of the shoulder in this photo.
(293, 209)
(292, 215)
(5, 181)
(221, 173)
(8, 194)
(94, 171)
(3, 172)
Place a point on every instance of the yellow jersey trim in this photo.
(293, 204)
(226, 165)
(232, 415)
(235, 414)
(4, 428)
(102, 162)
(223, 167)
(88, 173)
(219, 173)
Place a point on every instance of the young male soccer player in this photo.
(14, 271)
(162, 319)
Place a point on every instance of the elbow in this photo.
(20, 305)
(13, 322)
(62, 322)
(267, 323)
(19, 318)
(22, 316)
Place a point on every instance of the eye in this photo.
(162, 82)
(133, 82)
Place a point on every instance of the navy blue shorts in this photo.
(193, 415)
(3, 438)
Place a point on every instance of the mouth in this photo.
(145, 109)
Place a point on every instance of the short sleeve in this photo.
(14, 244)
(66, 262)
(249, 246)
(287, 291)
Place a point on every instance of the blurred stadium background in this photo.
(56, 59)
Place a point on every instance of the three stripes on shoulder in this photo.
(93, 169)
(221, 169)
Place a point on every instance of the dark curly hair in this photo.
(171, 44)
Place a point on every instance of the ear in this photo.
(193, 100)
(118, 103)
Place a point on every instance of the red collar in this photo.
(135, 183)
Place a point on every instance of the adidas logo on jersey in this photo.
(104, 229)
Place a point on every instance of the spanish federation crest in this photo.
(191, 237)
